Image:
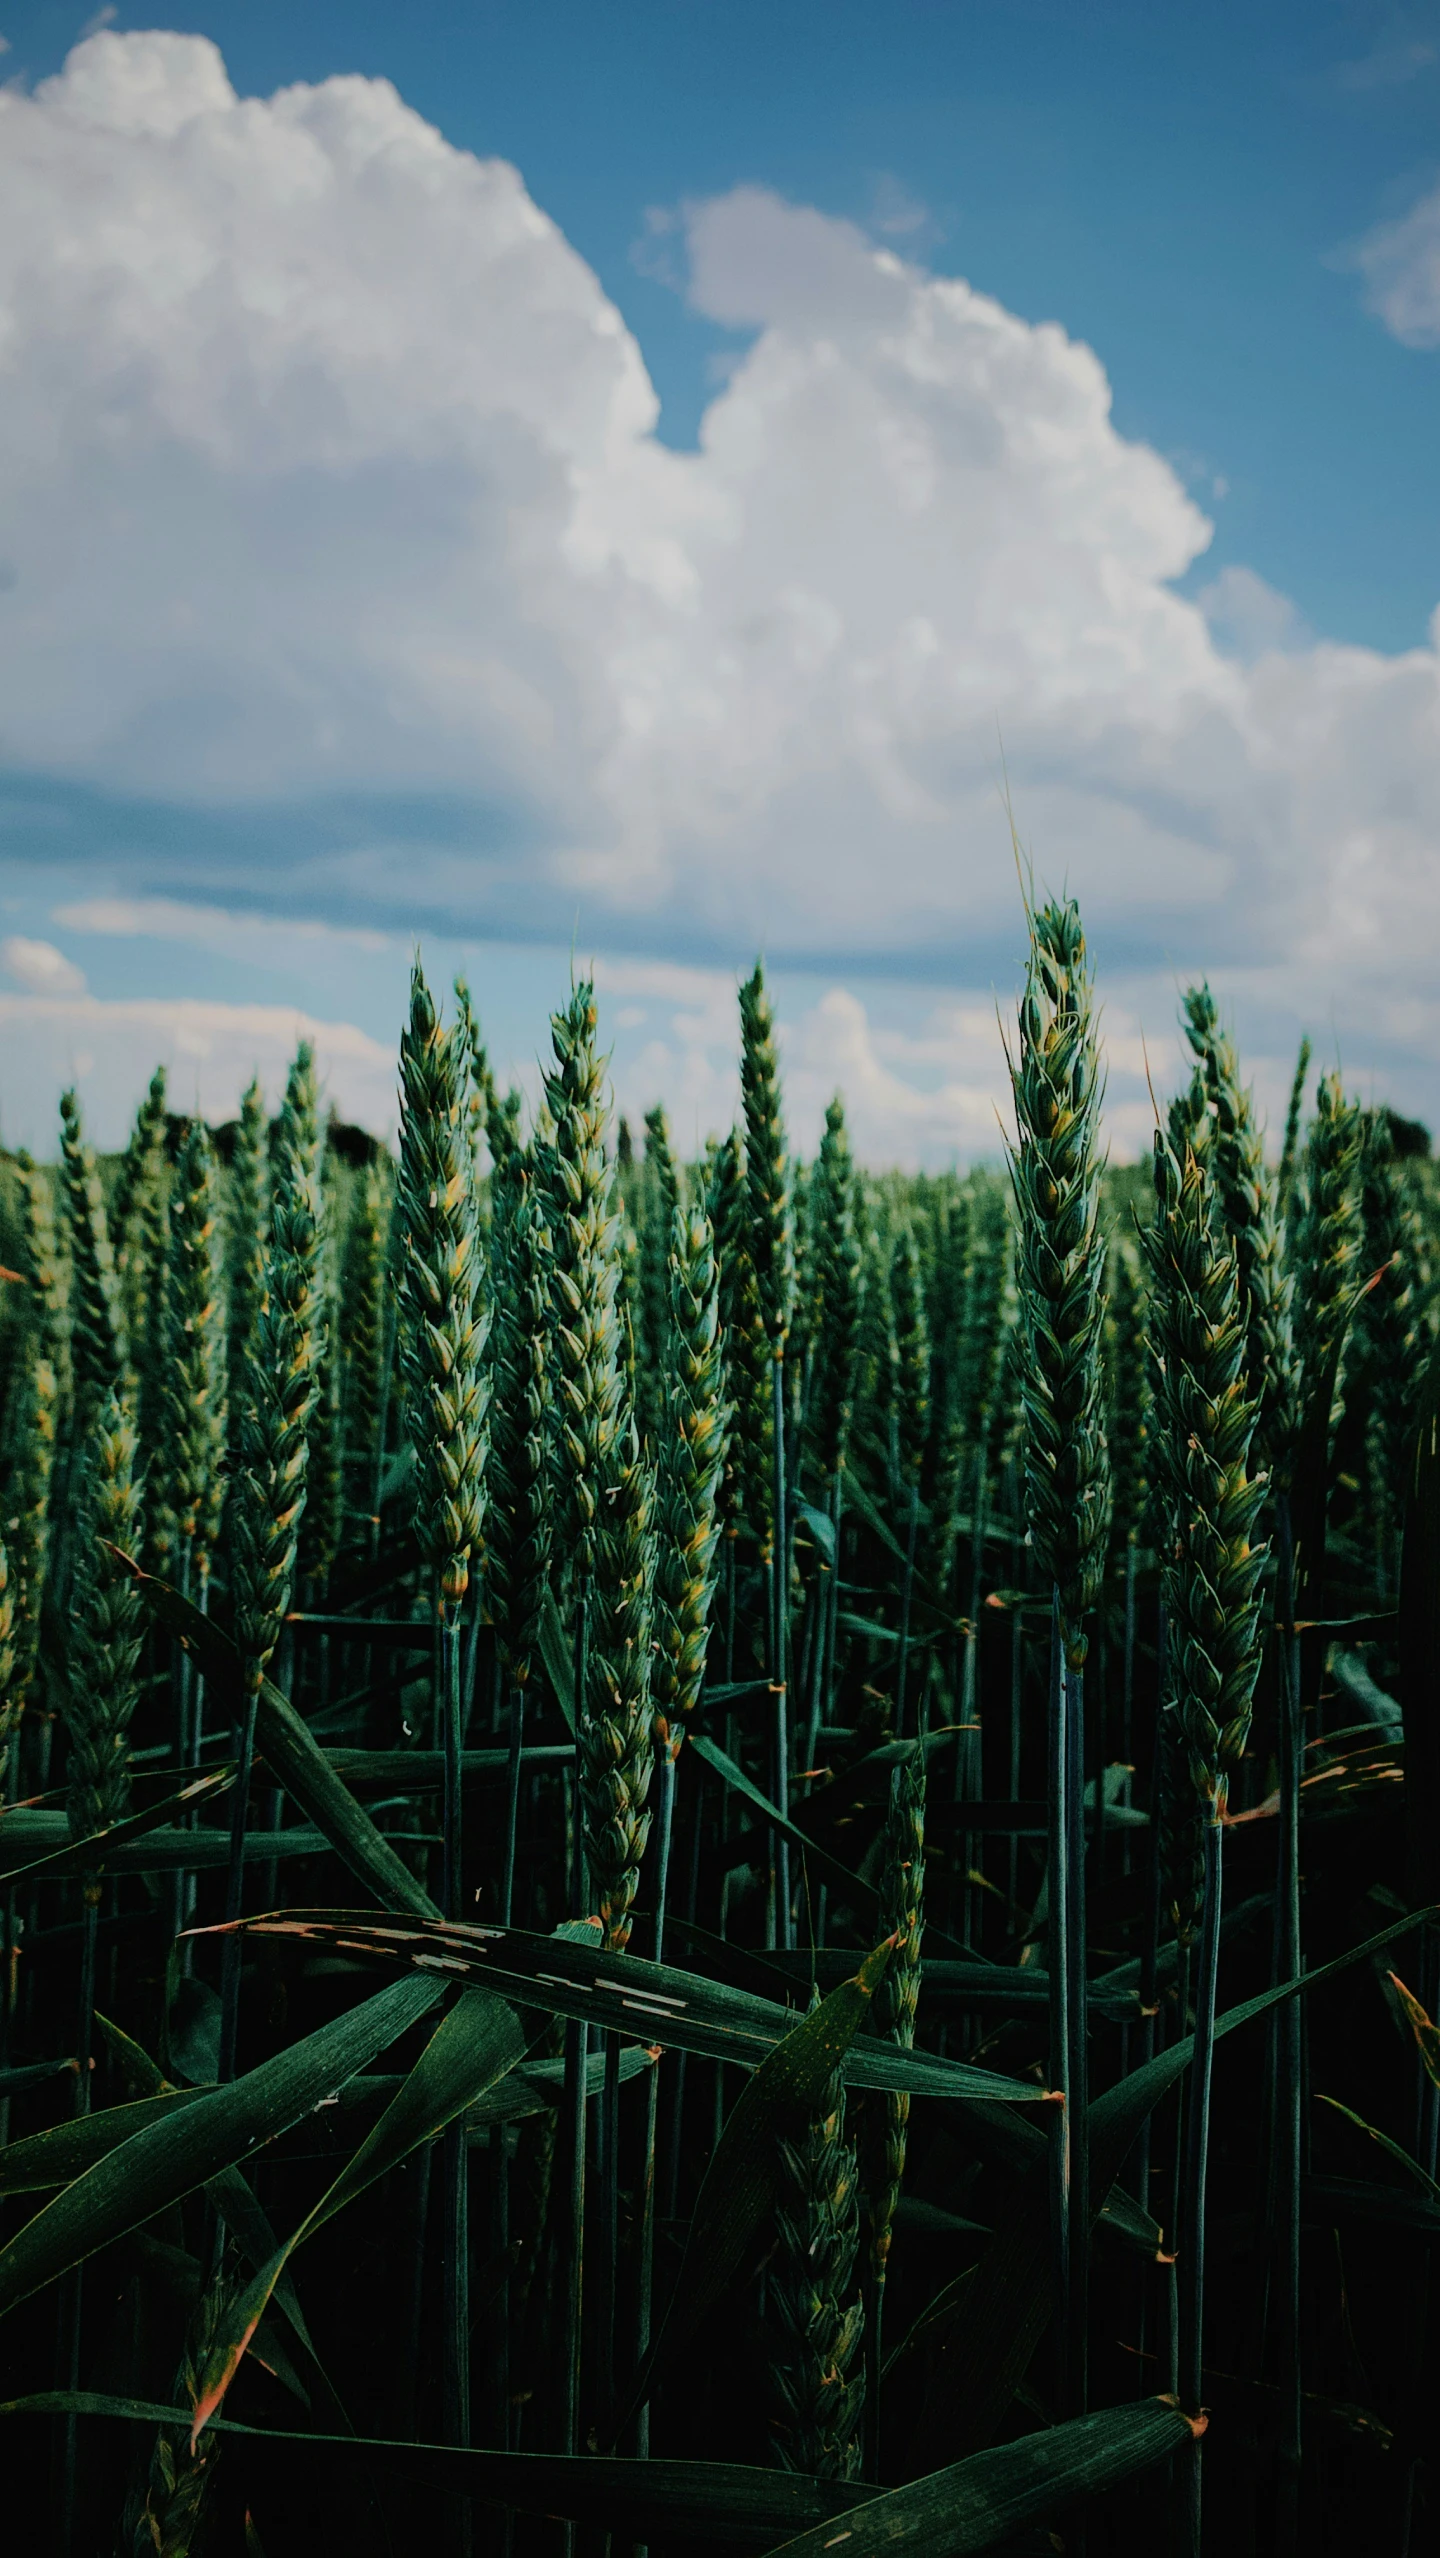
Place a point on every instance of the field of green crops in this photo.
(725, 1855)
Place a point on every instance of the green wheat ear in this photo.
(742, 1501)
(106, 1633)
(140, 1181)
(911, 1338)
(94, 1306)
(171, 2522)
(1326, 1238)
(656, 1193)
(47, 1277)
(766, 1165)
(1249, 1201)
(323, 1529)
(1391, 1327)
(584, 1277)
(616, 1739)
(247, 1225)
(836, 1265)
(1056, 1170)
(191, 1456)
(1205, 1422)
(444, 1325)
(820, 2315)
(280, 1386)
(35, 1415)
(897, 1999)
(695, 1420)
(1290, 1151)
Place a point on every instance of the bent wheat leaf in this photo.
(244, 2215)
(636, 2499)
(77, 1854)
(1427, 2036)
(1393, 2149)
(180, 2149)
(479, 2042)
(980, 2502)
(572, 1976)
(64, 2152)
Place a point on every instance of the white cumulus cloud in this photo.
(40, 966)
(329, 481)
(1400, 262)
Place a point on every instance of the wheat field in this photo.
(723, 1854)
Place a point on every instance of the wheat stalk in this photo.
(1206, 1421)
(1055, 1169)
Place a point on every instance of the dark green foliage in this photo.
(12, 1697)
(35, 1420)
(658, 1197)
(1391, 1345)
(361, 1328)
(1127, 1351)
(518, 1502)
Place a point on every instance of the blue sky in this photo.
(1182, 192)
